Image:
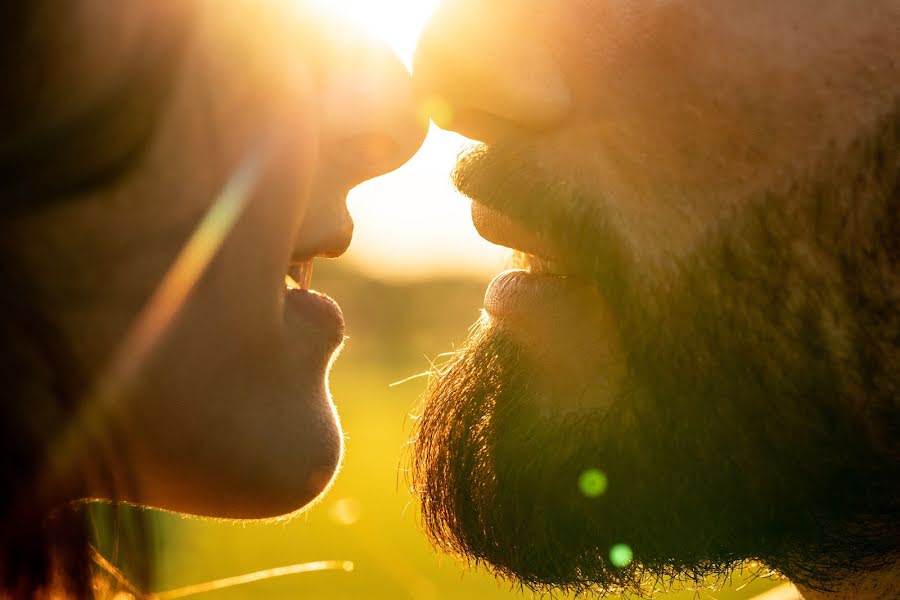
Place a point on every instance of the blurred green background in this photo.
(368, 517)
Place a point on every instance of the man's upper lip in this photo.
(496, 227)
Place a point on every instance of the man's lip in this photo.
(518, 296)
(565, 326)
(500, 229)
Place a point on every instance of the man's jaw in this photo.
(500, 481)
(480, 499)
(724, 445)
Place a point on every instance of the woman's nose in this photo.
(485, 73)
(371, 122)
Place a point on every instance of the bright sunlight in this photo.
(411, 226)
(411, 223)
(396, 22)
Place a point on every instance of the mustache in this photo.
(506, 178)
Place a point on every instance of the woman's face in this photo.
(217, 383)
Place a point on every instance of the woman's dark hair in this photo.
(45, 540)
(47, 537)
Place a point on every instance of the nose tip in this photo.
(370, 115)
(486, 74)
(370, 125)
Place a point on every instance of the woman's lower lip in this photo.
(319, 316)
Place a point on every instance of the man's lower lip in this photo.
(319, 316)
(517, 295)
(566, 327)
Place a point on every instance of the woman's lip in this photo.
(317, 317)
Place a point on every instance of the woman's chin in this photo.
(264, 456)
(291, 487)
(276, 498)
(242, 493)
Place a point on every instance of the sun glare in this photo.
(396, 22)
(411, 223)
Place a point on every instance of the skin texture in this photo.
(717, 183)
(229, 413)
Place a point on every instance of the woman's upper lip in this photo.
(325, 233)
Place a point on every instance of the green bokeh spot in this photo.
(593, 483)
(621, 555)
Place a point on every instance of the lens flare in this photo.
(346, 511)
(156, 316)
(621, 555)
(437, 109)
(593, 483)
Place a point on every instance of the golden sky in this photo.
(412, 223)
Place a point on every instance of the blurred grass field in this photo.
(368, 517)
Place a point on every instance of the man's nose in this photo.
(371, 122)
(483, 75)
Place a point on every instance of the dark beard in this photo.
(760, 417)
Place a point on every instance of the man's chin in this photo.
(620, 497)
(491, 491)
(565, 327)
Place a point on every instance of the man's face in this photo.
(699, 360)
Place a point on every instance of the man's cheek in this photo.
(650, 75)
